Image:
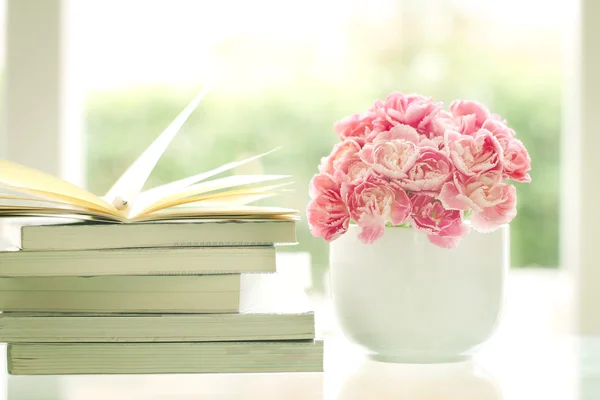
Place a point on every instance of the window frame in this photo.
(42, 114)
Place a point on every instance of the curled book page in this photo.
(130, 184)
(194, 191)
(40, 184)
(227, 198)
(151, 196)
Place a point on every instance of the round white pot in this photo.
(406, 300)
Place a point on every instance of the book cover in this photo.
(165, 358)
(183, 233)
(138, 261)
(122, 294)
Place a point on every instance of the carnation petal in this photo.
(491, 218)
(445, 242)
(464, 107)
(327, 214)
(452, 199)
(321, 183)
(400, 207)
(372, 228)
(401, 131)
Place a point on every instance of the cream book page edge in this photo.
(39, 184)
(213, 190)
(151, 196)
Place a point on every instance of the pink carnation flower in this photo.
(469, 115)
(398, 108)
(498, 128)
(373, 203)
(353, 170)
(501, 209)
(327, 214)
(429, 172)
(392, 158)
(443, 122)
(493, 203)
(472, 155)
(444, 228)
(398, 132)
(517, 162)
(340, 153)
(357, 126)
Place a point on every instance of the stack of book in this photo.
(178, 278)
(180, 297)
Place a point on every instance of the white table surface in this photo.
(556, 369)
(533, 356)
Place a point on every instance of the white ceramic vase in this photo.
(406, 300)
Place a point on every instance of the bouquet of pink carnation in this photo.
(408, 161)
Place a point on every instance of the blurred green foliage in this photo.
(299, 115)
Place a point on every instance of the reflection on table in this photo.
(368, 380)
(460, 381)
(561, 369)
(157, 387)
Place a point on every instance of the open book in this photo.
(25, 192)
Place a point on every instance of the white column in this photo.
(581, 166)
(42, 112)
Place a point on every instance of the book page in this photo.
(38, 183)
(57, 198)
(221, 211)
(24, 203)
(130, 184)
(230, 198)
(12, 192)
(78, 214)
(192, 193)
(151, 196)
